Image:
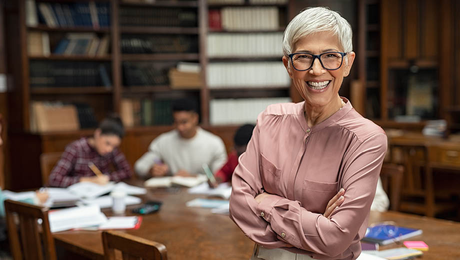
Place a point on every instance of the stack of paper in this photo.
(90, 190)
(77, 217)
(179, 180)
(107, 201)
(224, 190)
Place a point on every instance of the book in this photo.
(386, 234)
(132, 222)
(419, 245)
(178, 180)
(398, 253)
(77, 217)
(107, 201)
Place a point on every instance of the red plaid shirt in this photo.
(74, 164)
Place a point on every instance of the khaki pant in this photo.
(276, 254)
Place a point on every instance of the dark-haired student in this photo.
(182, 151)
(240, 140)
(101, 149)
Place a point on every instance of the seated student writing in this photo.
(240, 140)
(76, 163)
(182, 151)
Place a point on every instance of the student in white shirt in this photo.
(182, 151)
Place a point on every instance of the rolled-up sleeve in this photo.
(146, 162)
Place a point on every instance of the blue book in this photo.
(62, 46)
(386, 234)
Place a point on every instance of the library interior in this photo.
(122, 123)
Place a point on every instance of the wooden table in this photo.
(196, 233)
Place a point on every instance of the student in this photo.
(240, 140)
(101, 150)
(37, 198)
(182, 151)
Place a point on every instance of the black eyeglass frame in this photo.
(343, 54)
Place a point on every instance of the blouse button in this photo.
(262, 214)
(308, 130)
(283, 235)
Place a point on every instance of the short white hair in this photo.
(314, 20)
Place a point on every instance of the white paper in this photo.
(205, 203)
(90, 190)
(107, 201)
(365, 256)
(224, 190)
(156, 182)
(19, 195)
(77, 217)
(58, 196)
(119, 223)
(223, 209)
(129, 189)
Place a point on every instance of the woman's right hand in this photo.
(334, 203)
(101, 180)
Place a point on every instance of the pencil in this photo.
(95, 169)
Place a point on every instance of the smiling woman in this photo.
(304, 187)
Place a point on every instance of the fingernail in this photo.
(342, 190)
(341, 198)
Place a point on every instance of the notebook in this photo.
(387, 234)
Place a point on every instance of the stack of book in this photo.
(144, 74)
(83, 44)
(244, 18)
(160, 44)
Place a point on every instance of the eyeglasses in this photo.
(329, 60)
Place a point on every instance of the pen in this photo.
(95, 169)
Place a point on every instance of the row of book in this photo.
(162, 17)
(83, 44)
(240, 111)
(144, 74)
(91, 14)
(69, 74)
(247, 74)
(244, 18)
(145, 112)
(244, 1)
(244, 45)
(59, 116)
(160, 44)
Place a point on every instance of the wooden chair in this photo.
(47, 163)
(131, 247)
(34, 242)
(392, 177)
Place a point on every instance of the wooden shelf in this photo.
(69, 29)
(152, 89)
(248, 92)
(70, 90)
(247, 5)
(405, 64)
(159, 57)
(372, 84)
(163, 3)
(72, 58)
(71, 1)
(372, 54)
(211, 30)
(373, 27)
(158, 30)
(248, 58)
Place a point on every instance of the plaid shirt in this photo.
(74, 164)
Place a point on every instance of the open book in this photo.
(177, 180)
(77, 217)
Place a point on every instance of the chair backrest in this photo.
(392, 178)
(47, 163)
(131, 247)
(33, 242)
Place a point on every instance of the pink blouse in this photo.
(303, 168)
